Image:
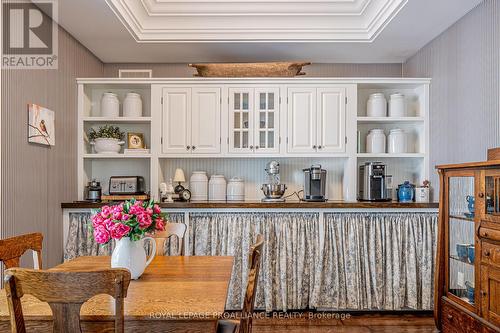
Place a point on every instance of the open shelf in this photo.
(115, 156)
(117, 119)
(463, 218)
(456, 258)
(390, 120)
(387, 155)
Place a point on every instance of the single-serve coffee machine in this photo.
(372, 182)
(314, 183)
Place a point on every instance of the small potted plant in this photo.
(107, 139)
(128, 223)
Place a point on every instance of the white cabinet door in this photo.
(267, 120)
(205, 121)
(301, 134)
(331, 120)
(176, 119)
(241, 120)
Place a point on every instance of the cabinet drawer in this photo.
(456, 321)
(489, 233)
(490, 254)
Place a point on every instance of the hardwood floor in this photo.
(356, 323)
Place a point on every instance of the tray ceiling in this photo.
(255, 20)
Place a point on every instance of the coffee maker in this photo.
(372, 182)
(314, 183)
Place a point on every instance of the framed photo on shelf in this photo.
(136, 141)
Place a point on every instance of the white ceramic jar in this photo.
(110, 105)
(236, 189)
(198, 185)
(217, 188)
(422, 194)
(132, 105)
(397, 105)
(376, 105)
(397, 141)
(375, 141)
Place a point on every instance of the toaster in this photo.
(126, 185)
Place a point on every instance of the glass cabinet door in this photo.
(240, 120)
(491, 196)
(267, 120)
(461, 240)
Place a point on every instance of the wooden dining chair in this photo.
(11, 249)
(171, 229)
(244, 325)
(65, 292)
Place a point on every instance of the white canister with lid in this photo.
(376, 105)
(110, 105)
(397, 141)
(375, 141)
(132, 105)
(198, 185)
(236, 189)
(397, 105)
(422, 194)
(217, 188)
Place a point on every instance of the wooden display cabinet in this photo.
(467, 280)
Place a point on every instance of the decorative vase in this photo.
(110, 105)
(131, 255)
(107, 145)
(132, 105)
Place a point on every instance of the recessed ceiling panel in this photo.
(255, 20)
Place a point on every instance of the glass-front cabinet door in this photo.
(240, 120)
(491, 198)
(461, 266)
(254, 120)
(267, 120)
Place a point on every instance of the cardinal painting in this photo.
(41, 127)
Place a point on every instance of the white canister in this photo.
(217, 188)
(376, 105)
(375, 141)
(422, 194)
(132, 105)
(397, 141)
(198, 185)
(397, 105)
(110, 105)
(236, 189)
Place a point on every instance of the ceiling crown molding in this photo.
(255, 20)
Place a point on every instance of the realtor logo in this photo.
(29, 34)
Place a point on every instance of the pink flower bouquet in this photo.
(132, 219)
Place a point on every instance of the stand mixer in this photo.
(273, 190)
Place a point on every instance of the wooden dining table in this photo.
(175, 294)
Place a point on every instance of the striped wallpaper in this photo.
(464, 64)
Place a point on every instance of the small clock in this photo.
(185, 195)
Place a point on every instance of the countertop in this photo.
(258, 204)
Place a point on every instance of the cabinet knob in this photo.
(483, 293)
(487, 253)
(314, 147)
(256, 147)
(251, 147)
(193, 147)
(449, 316)
(319, 147)
(188, 147)
(481, 195)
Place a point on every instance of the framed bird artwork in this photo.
(41, 126)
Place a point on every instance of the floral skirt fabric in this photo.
(342, 261)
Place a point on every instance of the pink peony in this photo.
(125, 217)
(136, 209)
(105, 211)
(101, 235)
(97, 220)
(108, 223)
(144, 220)
(117, 215)
(119, 230)
(149, 211)
(160, 224)
(156, 209)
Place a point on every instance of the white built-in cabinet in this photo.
(215, 124)
(191, 120)
(316, 120)
(254, 120)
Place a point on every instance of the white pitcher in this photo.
(132, 256)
